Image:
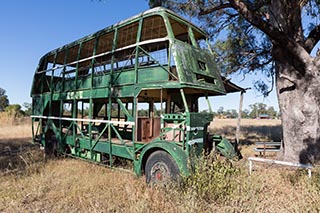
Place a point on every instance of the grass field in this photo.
(28, 183)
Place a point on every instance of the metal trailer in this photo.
(130, 91)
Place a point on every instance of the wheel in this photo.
(51, 145)
(161, 167)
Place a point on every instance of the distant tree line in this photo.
(13, 109)
(255, 110)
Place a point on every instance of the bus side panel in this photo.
(155, 74)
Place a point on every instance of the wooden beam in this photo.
(239, 117)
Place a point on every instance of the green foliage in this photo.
(4, 101)
(212, 179)
(245, 113)
(256, 109)
(272, 112)
(143, 112)
(261, 108)
(296, 177)
(155, 3)
(14, 110)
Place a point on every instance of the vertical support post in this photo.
(60, 126)
(209, 104)
(168, 104)
(239, 118)
(93, 60)
(110, 93)
(151, 117)
(74, 116)
(136, 56)
(32, 129)
(77, 67)
(309, 172)
(109, 127)
(250, 167)
(64, 68)
(90, 117)
(135, 126)
(161, 102)
(184, 100)
(51, 89)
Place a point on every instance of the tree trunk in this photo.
(299, 102)
(298, 86)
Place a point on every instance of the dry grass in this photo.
(68, 185)
(251, 129)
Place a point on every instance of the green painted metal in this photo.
(87, 94)
(173, 149)
(224, 146)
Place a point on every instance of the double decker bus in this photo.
(130, 91)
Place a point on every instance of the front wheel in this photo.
(161, 167)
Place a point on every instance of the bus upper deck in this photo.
(154, 47)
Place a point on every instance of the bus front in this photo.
(199, 78)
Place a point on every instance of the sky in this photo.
(31, 28)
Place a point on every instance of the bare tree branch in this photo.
(312, 39)
(277, 36)
(214, 8)
(257, 6)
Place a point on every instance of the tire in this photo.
(161, 167)
(51, 147)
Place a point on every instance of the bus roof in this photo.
(153, 11)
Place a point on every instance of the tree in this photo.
(220, 111)
(272, 112)
(257, 109)
(27, 108)
(231, 113)
(245, 113)
(14, 110)
(270, 36)
(4, 101)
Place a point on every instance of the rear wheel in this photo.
(161, 167)
(51, 145)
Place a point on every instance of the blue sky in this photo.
(31, 28)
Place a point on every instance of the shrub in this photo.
(213, 179)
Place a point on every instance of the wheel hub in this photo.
(159, 172)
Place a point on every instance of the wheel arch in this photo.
(178, 155)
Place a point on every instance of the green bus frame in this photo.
(87, 95)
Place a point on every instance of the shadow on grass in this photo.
(17, 155)
(251, 134)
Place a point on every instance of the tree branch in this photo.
(312, 39)
(299, 53)
(277, 36)
(213, 9)
(255, 55)
(259, 4)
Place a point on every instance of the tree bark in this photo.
(297, 83)
(299, 102)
